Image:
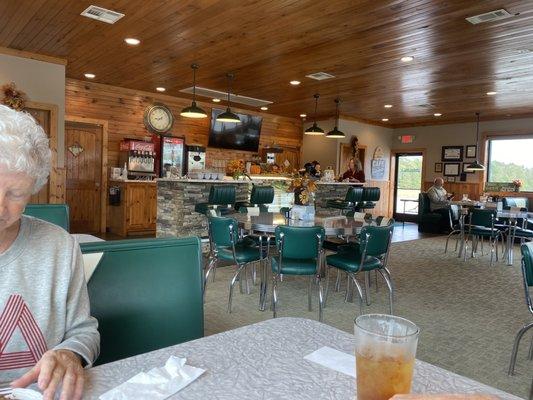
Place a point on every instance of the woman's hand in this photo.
(55, 368)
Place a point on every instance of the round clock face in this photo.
(158, 118)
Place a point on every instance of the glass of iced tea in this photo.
(385, 355)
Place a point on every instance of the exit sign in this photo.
(405, 139)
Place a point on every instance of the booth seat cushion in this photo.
(522, 202)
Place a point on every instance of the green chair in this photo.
(353, 197)
(221, 198)
(371, 196)
(57, 214)
(146, 294)
(370, 254)
(260, 196)
(227, 246)
(527, 275)
(300, 253)
(481, 225)
(428, 221)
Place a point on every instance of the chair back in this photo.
(262, 195)
(57, 214)
(376, 239)
(454, 214)
(222, 195)
(146, 294)
(354, 195)
(371, 194)
(223, 231)
(300, 242)
(521, 202)
(423, 203)
(527, 271)
(481, 217)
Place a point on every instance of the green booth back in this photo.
(146, 294)
(56, 214)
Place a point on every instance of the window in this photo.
(511, 159)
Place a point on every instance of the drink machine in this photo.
(139, 158)
(172, 156)
(195, 158)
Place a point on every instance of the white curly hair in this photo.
(24, 146)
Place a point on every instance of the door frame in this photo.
(392, 172)
(104, 124)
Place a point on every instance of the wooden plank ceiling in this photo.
(267, 43)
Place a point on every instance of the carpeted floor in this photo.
(468, 313)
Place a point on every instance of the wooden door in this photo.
(83, 162)
(43, 118)
(292, 155)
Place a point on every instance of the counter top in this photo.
(256, 178)
(131, 181)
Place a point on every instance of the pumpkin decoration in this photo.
(255, 169)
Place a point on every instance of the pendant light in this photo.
(315, 129)
(228, 115)
(193, 111)
(335, 133)
(476, 166)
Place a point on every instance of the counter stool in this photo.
(261, 196)
(221, 198)
(371, 195)
(353, 197)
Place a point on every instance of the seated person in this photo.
(354, 173)
(439, 201)
(51, 335)
(316, 171)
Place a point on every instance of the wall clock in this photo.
(158, 118)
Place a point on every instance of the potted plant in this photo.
(517, 185)
(304, 191)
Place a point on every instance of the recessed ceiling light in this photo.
(303, 115)
(216, 100)
(384, 119)
(437, 114)
(294, 83)
(407, 59)
(388, 106)
(264, 108)
(160, 89)
(491, 93)
(132, 41)
(90, 76)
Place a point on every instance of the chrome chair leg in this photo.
(349, 290)
(320, 299)
(254, 273)
(386, 277)
(517, 339)
(359, 291)
(211, 266)
(376, 278)
(309, 295)
(275, 297)
(232, 283)
(338, 281)
(263, 285)
(326, 289)
(531, 349)
(367, 288)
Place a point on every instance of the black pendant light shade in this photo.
(335, 133)
(315, 129)
(476, 165)
(228, 115)
(193, 111)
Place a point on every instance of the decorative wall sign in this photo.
(471, 151)
(378, 153)
(499, 187)
(378, 168)
(452, 153)
(452, 169)
(76, 149)
(438, 167)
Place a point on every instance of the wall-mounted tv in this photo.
(235, 136)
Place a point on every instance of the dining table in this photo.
(266, 361)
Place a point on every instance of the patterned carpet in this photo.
(468, 313)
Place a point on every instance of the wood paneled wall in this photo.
(124, 110)
(382, 206)
(473, 189)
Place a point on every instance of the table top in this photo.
(266, 361)
(268, 221)
(85, 238)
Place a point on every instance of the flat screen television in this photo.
(235, 136)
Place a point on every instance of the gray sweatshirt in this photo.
(43, 299)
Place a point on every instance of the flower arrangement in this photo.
(517, 184)
(235, 168)
(14, 98)
(303, 189)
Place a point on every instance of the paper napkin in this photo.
(333, 359)
(156, 384)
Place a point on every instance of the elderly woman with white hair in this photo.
(47, 334)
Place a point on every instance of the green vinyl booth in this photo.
(146, 294)
(57, 214)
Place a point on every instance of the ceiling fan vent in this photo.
(235, 98)
(320, 76)
(489, 17)
(102, 14)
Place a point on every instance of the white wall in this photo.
(320, 148)
(42, 82)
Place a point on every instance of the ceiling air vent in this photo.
(489, 17)
(235, 98)
(102, 14)
(320, 76)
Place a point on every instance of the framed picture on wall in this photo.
(452, 169)
(451, 179)
(438, 167)
(452, 153)
(465, 171)
(471, 151)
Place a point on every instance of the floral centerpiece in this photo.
(13, 97)
(303, 188)
(236, 169)
(517, 185)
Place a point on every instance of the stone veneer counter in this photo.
(176, 200)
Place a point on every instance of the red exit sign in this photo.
(405, 139)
